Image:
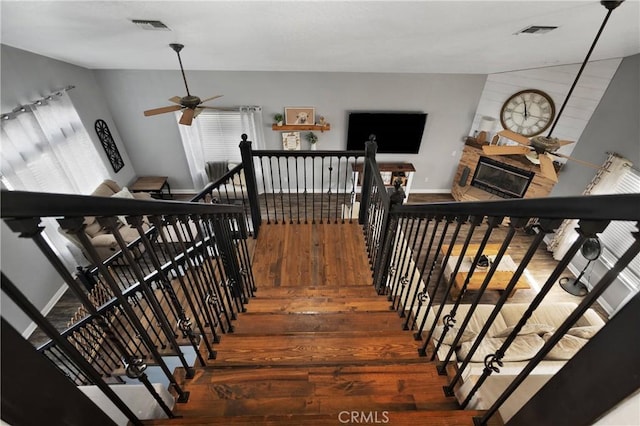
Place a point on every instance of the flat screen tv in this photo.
(396, 132)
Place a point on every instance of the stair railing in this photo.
(434, 251)
(189, 262)
(300, 186)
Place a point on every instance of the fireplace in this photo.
(501, 179)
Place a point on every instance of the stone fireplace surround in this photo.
(463, 190)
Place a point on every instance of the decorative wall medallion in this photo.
(109, 145)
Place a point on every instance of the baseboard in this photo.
(431, 191)
(184, 191)
(45, 311)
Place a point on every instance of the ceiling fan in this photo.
(540, 149)
(190, 105)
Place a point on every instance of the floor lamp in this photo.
(591, 250)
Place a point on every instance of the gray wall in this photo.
(614, 127)
(26, 77)
(155, 148)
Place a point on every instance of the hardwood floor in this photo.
(311, 255)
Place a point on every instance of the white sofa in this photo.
(551, 315)
(545, 319)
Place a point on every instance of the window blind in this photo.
(220, 133)
(617, 237)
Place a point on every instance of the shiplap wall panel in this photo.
(555, 81)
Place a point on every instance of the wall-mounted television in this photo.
(396, 132)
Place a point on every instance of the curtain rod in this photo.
(28, 107)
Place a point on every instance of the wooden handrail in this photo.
(21, 204)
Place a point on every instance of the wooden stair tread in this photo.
(286, 323)
(324, 291)
(305, 349)
(319, 304)
(403, 418)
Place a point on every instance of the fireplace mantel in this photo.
(461, 190)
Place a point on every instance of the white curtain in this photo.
(250, 120)
(192, 144)
(604, 182)
(47, 149)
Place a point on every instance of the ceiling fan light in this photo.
(533, 157)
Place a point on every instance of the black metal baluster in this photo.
(217, 273)
(415, 269)
(449, 320)
(474, 222)
(265, 192)
(321, 189)
(284, 221)
(313, 189)
(112, 226)
(494, 266)
(406, 262)
(423, 296)
(19, 299)
(296, 160)
(286, 159)
(330, 168)
(306, 190)
(193, 278)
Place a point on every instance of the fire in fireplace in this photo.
(502, 179)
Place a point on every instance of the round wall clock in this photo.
(528, 112)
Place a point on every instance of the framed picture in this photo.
(291, 141)
(386, 177)
(300, 115)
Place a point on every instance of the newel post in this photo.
(370, 149)
(389, 229)
(252, 184)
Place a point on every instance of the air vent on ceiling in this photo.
(536, 29)
(146, 24)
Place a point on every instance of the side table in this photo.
(153, 184)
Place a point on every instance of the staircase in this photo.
(323, 354)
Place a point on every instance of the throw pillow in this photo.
(123, 193)
(566, 348)
(451, 335)
(585, 332)
(538, 329)
(523, 348)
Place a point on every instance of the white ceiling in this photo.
(350, 36)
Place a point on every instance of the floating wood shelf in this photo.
(298, 127)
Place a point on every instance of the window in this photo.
(617, 237)
(220, 133)
(215, 136)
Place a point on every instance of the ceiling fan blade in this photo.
(516, 137)
(565, 142)
(211, 98)
(546, 167)
(504, 150)
(175, 99)
(584, 163)
(162, 110)
(198, 111)
(187, 117)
